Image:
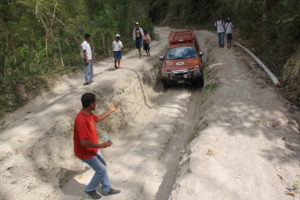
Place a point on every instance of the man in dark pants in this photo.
(229, 28)
(219, 24)
(86, 146)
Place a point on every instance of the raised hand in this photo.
(113, 108)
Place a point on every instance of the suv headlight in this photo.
(196, 70)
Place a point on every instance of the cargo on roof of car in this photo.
(181, 36)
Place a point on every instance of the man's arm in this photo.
(133, 34)
(142, 32)
(85, 57)
(112, 109)
(89, 144)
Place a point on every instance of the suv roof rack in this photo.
(181, 36)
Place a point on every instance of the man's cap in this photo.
(118, 35)
(137, 23)
(228, 19)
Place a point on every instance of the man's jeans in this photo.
(221, 39)
(100, 176)
(88, 69)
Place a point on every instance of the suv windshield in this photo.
(180, 53)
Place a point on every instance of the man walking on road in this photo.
(87, 59)
(146, 42)
(220, 29)
(138, 35)
(86, 146)
(229, 27)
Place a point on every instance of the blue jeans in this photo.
(221, 39)
(138, 43)
(100, 176)
(88, 70)
(117, 55)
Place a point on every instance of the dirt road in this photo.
(250, 133)
(149, 130)
(250, 149)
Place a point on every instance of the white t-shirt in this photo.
(229, 27)
(85, 46)
(117, 45)
(219, 24)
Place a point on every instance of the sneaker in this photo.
(111, 192)
(94, 194)
(88, 83)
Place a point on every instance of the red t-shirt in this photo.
(85, 128)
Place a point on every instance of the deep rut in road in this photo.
(176, 147)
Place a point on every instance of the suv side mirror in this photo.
(201, 53)
(161, 57)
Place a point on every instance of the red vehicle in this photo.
(183, 60)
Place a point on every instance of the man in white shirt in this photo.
(220, 29)
(138, 35)
(87, 59)
(117, 47)
(229, 27)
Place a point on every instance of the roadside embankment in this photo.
(247, 144)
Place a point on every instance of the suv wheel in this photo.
(165, 84)
(199, 82)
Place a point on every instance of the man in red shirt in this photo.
(86, 146)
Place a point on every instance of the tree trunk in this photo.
(3, 58)
(46, 45)
(104, 49)
(268, 6)
(108, 47)
(61, 58)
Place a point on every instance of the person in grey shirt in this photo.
(229, 31)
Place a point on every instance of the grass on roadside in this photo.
(195, 133)
(211, 84)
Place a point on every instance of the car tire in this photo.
(165, 84)
(199, 82)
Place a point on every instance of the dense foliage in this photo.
(40, 38)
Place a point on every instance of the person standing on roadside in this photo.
(220, 29)
(229, 28)
(146, 42)
(87, 59)
(86, 146)
(117, 47)
(138, 35)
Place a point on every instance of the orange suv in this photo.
(183, 60)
